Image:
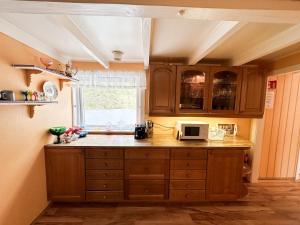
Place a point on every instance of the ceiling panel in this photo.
(178, 37)
(245, 38)
(113, 33)
(44, 29)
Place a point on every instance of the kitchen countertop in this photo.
(166, 141)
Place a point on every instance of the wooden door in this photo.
(65, 174)
(224, 174)
(281, 135)
(253, 92)
(162, 89)
(192, 89)
(225, 88)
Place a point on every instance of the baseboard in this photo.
(41, 213)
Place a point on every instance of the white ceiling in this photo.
(94, 37)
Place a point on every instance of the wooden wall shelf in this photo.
(31, 70)
(30, 104)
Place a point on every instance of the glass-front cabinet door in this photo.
(224, 90)
(192, 89)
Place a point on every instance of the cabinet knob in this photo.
(187, 196)
(147, 154)
(104, 197)
(105, 185)
(188, 164)
(187, 175)
(146, 191)
(187, 185)
(105, 153)
(106, 164)
(106, 174)
(188, 154)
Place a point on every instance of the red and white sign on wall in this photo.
(270, 95)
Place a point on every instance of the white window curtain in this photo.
(109, 78)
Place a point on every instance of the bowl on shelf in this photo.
(57, 131)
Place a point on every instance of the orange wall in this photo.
(22, 176)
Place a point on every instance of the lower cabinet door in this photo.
(224, 174)
(147, 189)
(65, 174)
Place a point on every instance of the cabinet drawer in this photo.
(188, 164)
(147, 169)
(104, 174)
(104, 185)
(188, 153)
(104, 195)
(146, 189)
(94, 164)
(147, 153)
(187, 195)
(103, 153)
(188, 174)
(187, 184)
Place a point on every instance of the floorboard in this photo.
(268, 203)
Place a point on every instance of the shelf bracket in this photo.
(62, 82)
(31, 110)
(28, 74)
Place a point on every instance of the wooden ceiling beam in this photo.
(146, 36)
(73, 28)
(228, 4)
(279, 11)
(221, 32)
(282, 40)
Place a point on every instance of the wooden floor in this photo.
(268, 203)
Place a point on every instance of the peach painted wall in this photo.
(244, 124)
(22, 167)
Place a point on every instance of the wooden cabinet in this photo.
(65, 174)
(162, 89)
(104, 174)
(147, 174)
(253, 92)
(188, 174)
(224, 93)
(224, 174)
(192, 89)
(144, 174)
(207, 91)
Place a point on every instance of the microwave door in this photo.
(192, 132)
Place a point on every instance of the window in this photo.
(109, 101)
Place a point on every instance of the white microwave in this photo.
(191, 130)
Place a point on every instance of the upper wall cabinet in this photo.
(192, 89)
(225, 90)
(253, 92)
(207, 91)
(162, 89)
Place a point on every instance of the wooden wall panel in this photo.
(280, 147)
